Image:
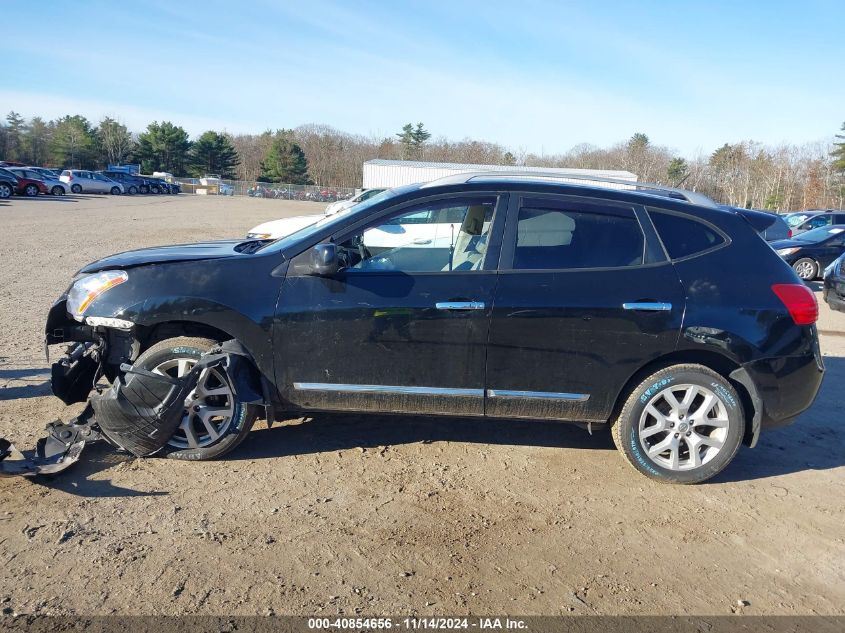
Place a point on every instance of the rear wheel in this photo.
(31, 191)
(57, 190)
(806, 268)
(132, 190)
(76, 188)
(5, 191)
(214, 422)
(115, 191)
(682, 425)
(144, 189)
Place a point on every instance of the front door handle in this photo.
(648, 306)
(459, 305)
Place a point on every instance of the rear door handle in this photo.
(459, 305)
(648, 306)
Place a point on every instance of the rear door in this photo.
(586, 296)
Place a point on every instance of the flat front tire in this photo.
(681, 425)
(215, 422)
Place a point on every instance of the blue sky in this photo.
(538, 76)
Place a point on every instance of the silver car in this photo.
(83, 181)
(55, 186)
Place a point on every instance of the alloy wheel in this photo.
(209, 408)
(805, 270)
(683, 427)
(5, 191)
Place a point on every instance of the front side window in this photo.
(436, 237)
(816, 222)
(683, 236)
(558, 238)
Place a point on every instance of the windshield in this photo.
(796, 218)
(820, 234)
(312, 229)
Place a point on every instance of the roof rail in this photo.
(679, 194)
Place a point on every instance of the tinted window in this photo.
(436, 237)
(562, 238)
(682, 236)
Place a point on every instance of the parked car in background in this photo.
(54, 186)
(8, 184)
(29, 187)
(833, 288)
(46, 171)
(334, 207)
(84, 181)
(214, 180)
(156, 185)
(132, 184)
(813, 219)
(809, 253)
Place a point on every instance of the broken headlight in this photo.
(88, 288)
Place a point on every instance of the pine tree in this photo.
(839, 153)
(412, 140)
(677, 171)
(285, 162)
(213, 153)
(38, 135)
(14, 136)
(73, 143)
(163, 147)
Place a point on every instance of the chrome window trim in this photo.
(423, 391)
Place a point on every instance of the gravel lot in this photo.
(375, 515)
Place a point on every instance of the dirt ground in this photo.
(376, 515)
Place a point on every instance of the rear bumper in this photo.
(832, 296)
(780, 388)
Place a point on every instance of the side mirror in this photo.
(323, 260)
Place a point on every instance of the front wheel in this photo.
(214, 422)
(76, 188)
(807, 269)
(5, 191)
(681, 425)
(57, 190)
(115, 191)
(154, 189)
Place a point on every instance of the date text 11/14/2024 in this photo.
(417, 623)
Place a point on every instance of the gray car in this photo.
(55, 186)
(83, 181)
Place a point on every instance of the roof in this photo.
(418, 164)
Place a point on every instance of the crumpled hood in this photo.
(162, 254)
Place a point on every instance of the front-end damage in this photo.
(138, 412)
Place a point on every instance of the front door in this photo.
(403, 326)
(585, 297)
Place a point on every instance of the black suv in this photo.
(613, 305)
(132, 184)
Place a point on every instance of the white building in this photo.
(394, 173)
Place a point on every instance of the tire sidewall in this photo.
(76, 188)
(639, 399)
(133, 190)
(7, 191)
(242, 417)
(57, 190)
(31, 191)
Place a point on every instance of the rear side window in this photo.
(684, 236)
(570, 239)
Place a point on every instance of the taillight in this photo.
(789, 234)
(799, 301)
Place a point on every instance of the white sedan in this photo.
(340, 205)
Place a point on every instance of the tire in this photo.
(806, 268)
(115, 191)
(144, 189)
(132, 190)
(167, 357)
(154, 189)
(76, 188)
(637, 428)
(30, 191)
(5, 191)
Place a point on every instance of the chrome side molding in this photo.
(648, 306)
(547, 395)
(459, 305)
(422, 391)
(439, 391)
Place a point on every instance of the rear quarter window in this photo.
(683, 236)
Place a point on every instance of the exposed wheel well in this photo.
(722, 365)
(152, 335)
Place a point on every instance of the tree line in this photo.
(743, 173)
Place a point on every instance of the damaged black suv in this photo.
(491, 294)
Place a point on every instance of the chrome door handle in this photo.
(459, 305)
(648, 306)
